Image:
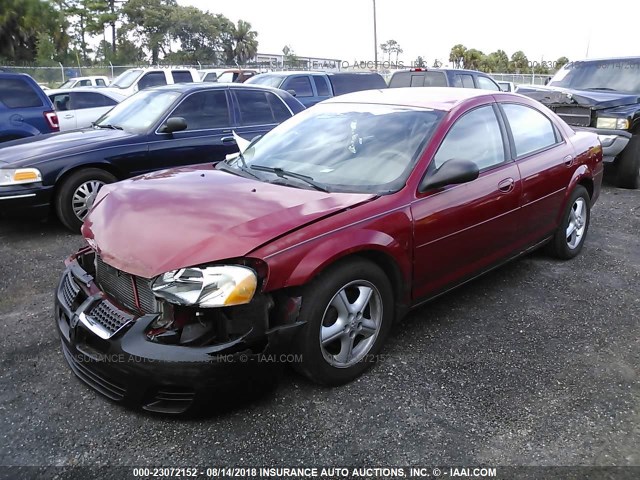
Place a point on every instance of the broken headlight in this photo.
(207, 287)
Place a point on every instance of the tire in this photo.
(364, 329)
(81, 184)
(628, 168)
(576, 216)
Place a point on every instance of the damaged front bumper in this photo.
(108, 348)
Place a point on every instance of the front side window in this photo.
(204, 110)
(181, 76)
(301, 85)
(487, 84)
(531, 130)
(345, 147)
(16, 93)
(152, 79)
(476, 137)
(139, 112)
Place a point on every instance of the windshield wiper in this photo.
(285, 173)
(603, 88)
(226, 165)
(106, 125)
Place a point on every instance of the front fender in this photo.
(386, 240)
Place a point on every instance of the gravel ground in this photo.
(535, 364)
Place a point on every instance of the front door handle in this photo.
(228, 140)
(568, 160)
(507, 185)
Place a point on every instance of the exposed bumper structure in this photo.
(108, 348)
(613, 141)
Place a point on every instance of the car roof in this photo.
(195, 86)
(605, 59)
(437, 98)
(456, 70)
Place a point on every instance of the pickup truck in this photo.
(442, 77)
(600, 96)
(135, 79)
(92, 81)
(313, 87)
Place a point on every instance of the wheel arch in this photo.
(66, 173)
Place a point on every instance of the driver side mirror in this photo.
(173, 124)
(451, 172)
(291, 92)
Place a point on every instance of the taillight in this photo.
(52, 120)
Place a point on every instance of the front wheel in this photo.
(570, 236)
(348, 312)
(76, 194)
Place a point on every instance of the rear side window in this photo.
(464, 81)
(152, 79)
(321, 86)
(17, 93)
(486, 84)
(204, 110)
(256, 107)
(301, 85)
(531, 130)
(278, 108)
(182, 77)
(61, 101)
(80, 100)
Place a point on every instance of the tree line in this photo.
(499, 62)
(121, 32)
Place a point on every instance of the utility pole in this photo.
(375, 36)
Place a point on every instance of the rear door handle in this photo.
(568, 160)
(506, 185)
(68, 116)
(228, 140)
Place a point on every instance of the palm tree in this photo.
(246, 44)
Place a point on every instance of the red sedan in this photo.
(309, 245)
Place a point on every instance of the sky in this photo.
(343, 29)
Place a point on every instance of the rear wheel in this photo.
(628, 168)
(570, 236)
(348, 312)
(76, 194)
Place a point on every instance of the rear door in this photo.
(461, 230)
(62, 105)
(208, 137)
(545, 161)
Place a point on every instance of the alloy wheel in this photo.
(84, 196)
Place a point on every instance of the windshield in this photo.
(67, 84)
(266, 80)
(343, 147)
(619, 75)
(126, 79)
(140, 111)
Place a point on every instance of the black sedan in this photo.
(155, 129)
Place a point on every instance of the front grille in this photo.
(110, 317)
(98, 382)
(576, 116)
(70, 290)
(120, 285)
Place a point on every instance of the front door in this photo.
(461, 230)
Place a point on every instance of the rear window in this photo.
(182, 77)
(435, 79)
(260, 108)
(464, 81)
(355, 82)
(18, 93)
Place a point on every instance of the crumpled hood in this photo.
(194, 215)
(30, 151)
(596, 99)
